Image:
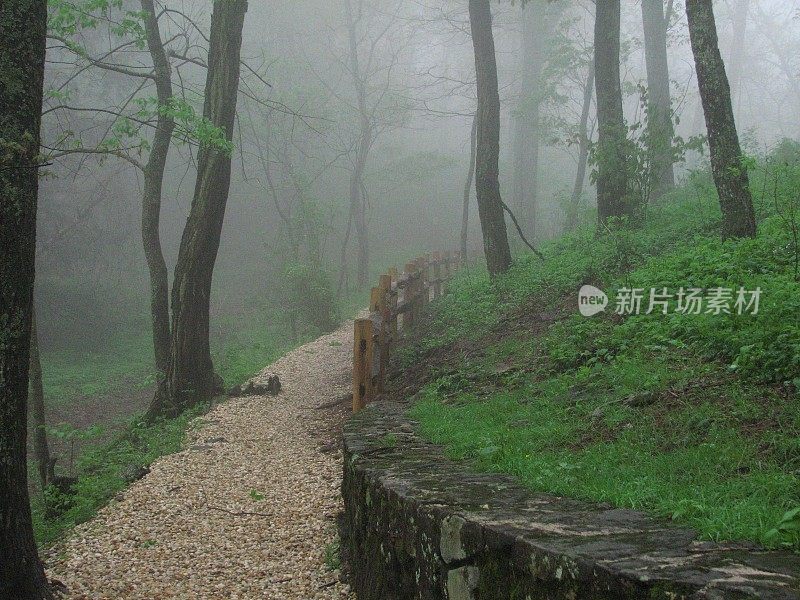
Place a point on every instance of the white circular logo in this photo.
(591, 300)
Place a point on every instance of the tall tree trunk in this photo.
(519, 176)
(190, 374)
(539, 22)
(468, 188)
(487, 169)
(727, 166)
(23, 29)
(358, 199)
(343, 262)
(583, 150)
(612, 169)
(151, 196)
(660, 128)
(41, 450)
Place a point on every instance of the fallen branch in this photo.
(519, 231)
(238, 513)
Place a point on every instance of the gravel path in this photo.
(245, 511)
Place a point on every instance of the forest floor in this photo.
(108, 413)
(246, 510)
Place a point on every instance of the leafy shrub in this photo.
(309, 296)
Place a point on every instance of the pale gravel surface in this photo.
(184, 530)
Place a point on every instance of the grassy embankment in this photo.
(691, 417)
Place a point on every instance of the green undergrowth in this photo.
(101, 473)
(691, 417)
(69, 375)
(242, 346)
(99, 469)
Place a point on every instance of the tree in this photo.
(468, 187)
(358, 199)
(160, 117)
(783, 44)
(41, 450)
(138, 59)
(487, 169)
(23, 30)
(376, 37)
(527, 137)
(190, 374)
(153, 173)
(727, 164)
(538, 80)
(584, 137)
(613, 199)
(659, 106)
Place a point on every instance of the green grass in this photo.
(69, 375)
(100, 472)
(242, 345)
(333, 559)
(691, 418)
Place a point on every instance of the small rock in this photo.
(216, 440)
(251, 388)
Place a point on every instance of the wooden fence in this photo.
(398, 297)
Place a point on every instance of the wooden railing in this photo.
(397, 298)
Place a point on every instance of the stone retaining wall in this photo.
(418, 526)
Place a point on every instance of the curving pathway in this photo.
(245, 511)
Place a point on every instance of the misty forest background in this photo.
(351, 153)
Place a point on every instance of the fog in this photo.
(298, 129)
(217, 188)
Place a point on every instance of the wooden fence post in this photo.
(385, 282)
(389, 307)
(370, 364)
(378, 307)
(385, 342)
(375, 300)
(362, 363)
